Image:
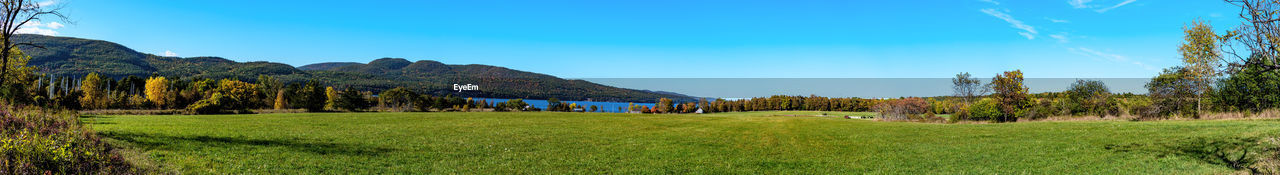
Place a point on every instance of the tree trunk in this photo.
(1198, 104)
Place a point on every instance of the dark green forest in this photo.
(75, 57)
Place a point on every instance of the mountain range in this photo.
(76, 57)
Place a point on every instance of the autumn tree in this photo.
(1011, 94)
(94, 94)
(398, 99)
(16, 91)
(14, 15)
(1200, 56)
(665, 105)
(280, 102)
(331, 98)
(157, 91)
(704, 105)
(243, 95)
(902, 109)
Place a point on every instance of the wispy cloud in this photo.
(1113, 57)
(991, 1)
(1079, 3)
(1061, 37)
(1027, 30)
(1104, 10)
(170, 54)
(1057, 20)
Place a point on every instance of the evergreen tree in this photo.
(351, 100)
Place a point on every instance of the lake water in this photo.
(542, 104)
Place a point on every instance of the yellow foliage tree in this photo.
(19, 74)
(241, 92)
(94, 97)
(332, 96)
(280, 100)
(1201, 55)
(157, 91)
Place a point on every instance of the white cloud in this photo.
(55, 25)
(35, 27)
(1113, 57)
(170, 54)
(47, 3)
(1061, 37)
(1126, 2)
(1079, 3)
(991, 1)
(37, 30)
(1057, 20)
(1028, 30)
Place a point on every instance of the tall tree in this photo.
(314, 97)
(280, 100)
(967, 87)
(157, 91)
(665, 105)
(1200, 55)
(351, 100)
(14, 14)
(94, 95)
(331, 98)
(399, 99)
(21, 75)
(1010, 94)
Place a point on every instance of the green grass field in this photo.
(596, 143)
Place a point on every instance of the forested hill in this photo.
(75, 57)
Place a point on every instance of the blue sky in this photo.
(672, 38)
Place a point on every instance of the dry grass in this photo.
(132, 112)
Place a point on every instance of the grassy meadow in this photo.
(605, 143)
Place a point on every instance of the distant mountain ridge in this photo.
(326, 66)
(76, 57)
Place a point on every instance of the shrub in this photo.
(35, 141)
(1045, 108)
(215, 104)
(1171, 93)
(960, 114)
(985, 109)
(903, 109)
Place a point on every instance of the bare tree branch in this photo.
(14, 14)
